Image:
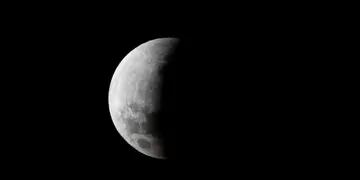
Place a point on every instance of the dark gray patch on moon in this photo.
(147, 127)
(144, 143)
(134, 107)
(132, 125)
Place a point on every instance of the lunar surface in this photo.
(135, 95)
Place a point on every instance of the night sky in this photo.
(242, 95)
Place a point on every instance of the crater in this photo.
(143, 143)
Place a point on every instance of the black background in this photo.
(241, 96)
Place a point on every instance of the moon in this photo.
(135, 95)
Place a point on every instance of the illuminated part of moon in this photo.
(135, 93)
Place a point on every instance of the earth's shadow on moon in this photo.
(174, 117)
